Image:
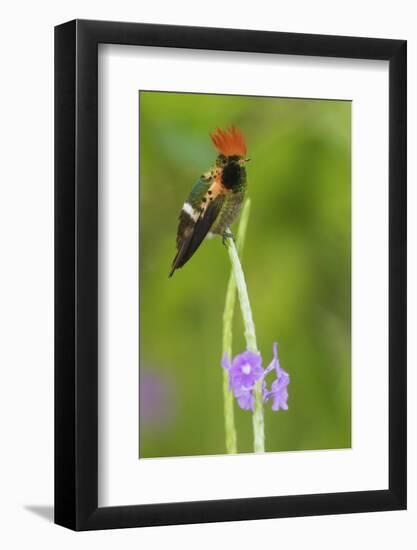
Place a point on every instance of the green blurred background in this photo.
(297, 261)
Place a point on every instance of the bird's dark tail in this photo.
(180, 257)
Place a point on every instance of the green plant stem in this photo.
(250, 336)
(229, 308)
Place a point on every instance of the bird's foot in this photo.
(227, 235)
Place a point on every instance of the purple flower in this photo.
(245, 399)
(279, 391)
(246, 369)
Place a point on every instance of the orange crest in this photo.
(229, 142)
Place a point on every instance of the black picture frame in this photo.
(76, 273)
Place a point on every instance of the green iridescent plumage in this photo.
(199, 191)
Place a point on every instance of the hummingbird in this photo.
(217, 197)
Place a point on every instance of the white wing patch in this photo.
(188, 209)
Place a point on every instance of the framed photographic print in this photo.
(230, 252)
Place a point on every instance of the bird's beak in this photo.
(242, 162)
